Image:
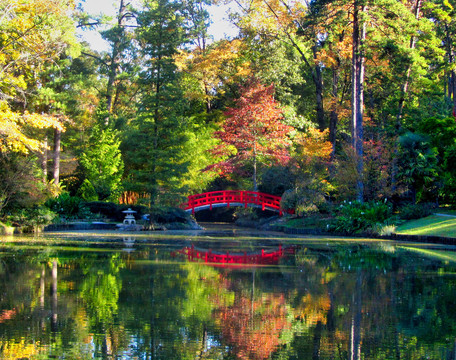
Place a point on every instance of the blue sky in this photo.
(219, 29)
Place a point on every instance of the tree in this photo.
(102, 163)
(155, 153)
(417, 165)
(253, 133)
(33, 34)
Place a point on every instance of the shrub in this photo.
(87, 191)
(275, 180)
(415, 211)
(32, 219)
(69, 207)
(168, 214)
(353, 217)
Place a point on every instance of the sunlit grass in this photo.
(435, 225)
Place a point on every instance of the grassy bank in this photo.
(435, 225)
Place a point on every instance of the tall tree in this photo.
(253, 133)
(284, 20)
(358, 63)
(102, 163)
(155, 146)
(34, 33)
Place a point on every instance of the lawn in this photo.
(439, 225)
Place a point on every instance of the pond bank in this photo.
(423, 238)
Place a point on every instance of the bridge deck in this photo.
(232, 198)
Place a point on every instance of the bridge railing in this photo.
(266, 201)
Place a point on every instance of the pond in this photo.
(225, 296)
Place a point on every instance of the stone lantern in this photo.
(129, 217)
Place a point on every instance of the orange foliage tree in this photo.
(253, 132)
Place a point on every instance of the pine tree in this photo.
(155, 146)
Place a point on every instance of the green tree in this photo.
(155, 147)
(418, 166)
(102, 163)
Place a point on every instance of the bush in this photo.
(32, 219)
(275, 180)
(305, 201)
(87, 191)
(69, 207)
(353, 217)
(168, 214)
(415, 211)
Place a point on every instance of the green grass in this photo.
(315, 221)
(432, 225)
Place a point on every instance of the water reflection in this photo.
(311, 301)
(259, 257)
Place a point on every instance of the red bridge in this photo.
(229, 198)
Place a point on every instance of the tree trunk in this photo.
(359, 33)
(113, 66)
(56, 167)
(333, 118)
(255, 188)
(405, 85)
(453, 90)
(318, 80)
(44, 159)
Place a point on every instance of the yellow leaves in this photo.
(33, 31)
(222, 62)
(12, 125)
(314, 144)
(271, 16)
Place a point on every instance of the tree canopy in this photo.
(339, 88)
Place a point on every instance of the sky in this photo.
(219, 29)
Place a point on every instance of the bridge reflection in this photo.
(262, 257)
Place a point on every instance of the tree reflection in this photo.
(321, 302)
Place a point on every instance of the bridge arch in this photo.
(228, 198)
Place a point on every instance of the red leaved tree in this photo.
(253, 133)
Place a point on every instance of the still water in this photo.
(100, 296)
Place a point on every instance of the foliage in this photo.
(449, 178)
(155, 145)
(102, 163)
(33, 34)
(418, 166)
(253, 133)
(207, 65)
(378, 160)
(197, 154)
(276, 180)
(32, 218)
(87, 191)
(441, 131)
(310, 160)
(68, 207)
(21, 183)
(353, 217)
(167, 214)
(415, 211)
